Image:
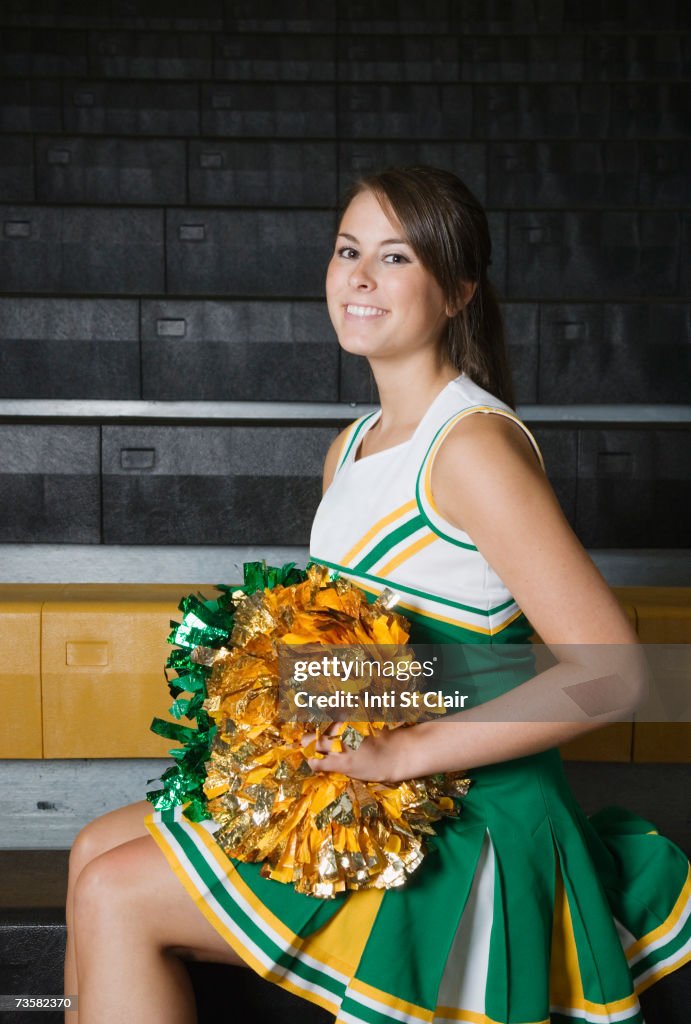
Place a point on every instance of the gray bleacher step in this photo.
(190, 565)
(33, 885)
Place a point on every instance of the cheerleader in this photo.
(526, 910)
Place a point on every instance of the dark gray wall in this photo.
(169, 175)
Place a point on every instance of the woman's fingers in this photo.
(329, 762)
(324, 740)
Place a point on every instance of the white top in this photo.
(378, 525)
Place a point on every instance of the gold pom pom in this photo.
(322, 832)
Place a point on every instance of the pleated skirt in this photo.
(524, 911)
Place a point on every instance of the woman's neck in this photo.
(406, 393)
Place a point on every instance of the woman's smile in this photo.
(364, 312)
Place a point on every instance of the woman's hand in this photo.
(379, 758)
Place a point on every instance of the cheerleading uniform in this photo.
(524, 911)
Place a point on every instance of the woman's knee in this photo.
(129, 894)
(87, 845)
(104, 833)
(105, 888)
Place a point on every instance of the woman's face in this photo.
(382, 302)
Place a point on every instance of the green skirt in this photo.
(524, 911)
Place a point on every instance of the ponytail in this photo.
(476, 342)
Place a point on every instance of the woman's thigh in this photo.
(132, 889)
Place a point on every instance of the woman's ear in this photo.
(468, 291)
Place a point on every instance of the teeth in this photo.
(365, 311)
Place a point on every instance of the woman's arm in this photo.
(487, 481)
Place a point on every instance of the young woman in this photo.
(526, 911)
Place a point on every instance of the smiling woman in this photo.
(528, 912)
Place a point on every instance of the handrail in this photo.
(76, 410)
(192, 565)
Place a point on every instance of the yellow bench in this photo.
(82, 671)
(84, 676)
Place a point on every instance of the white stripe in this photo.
(457, 616)
(671, 959)
(234, 927)
(664, 939)
(249, 910)
(210, 825)
(626, 938)
(598, 1018)
(389, 1011)
(464, 981)
(347, 1018)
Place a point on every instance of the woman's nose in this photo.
(361, 278)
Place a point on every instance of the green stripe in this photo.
(299, 913)
(432, 526)
(364, 1014)
(357, 571)
(390, 541)
(562, 1018)
(427, 630)
(670, 948)
(252, 929)
(354, 437)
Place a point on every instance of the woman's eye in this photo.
(347, 252)
(396, 257)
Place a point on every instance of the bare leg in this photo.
(134, 925)
(97, 837)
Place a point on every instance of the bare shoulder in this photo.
(487, 481)
(483, 435)
(487, 457)
(331, 459)
(485, 463)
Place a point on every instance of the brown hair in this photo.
(447, 228)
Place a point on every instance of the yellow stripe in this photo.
(472, 1016)
(444, 618)
(393, 1002)
(451, 425)
(347, 439)
(341, 942)
(239, 884)
(566, 983)
(627, 1003)
(662, 972)
(407, 553)
(432, 456)
(390, 518)
(566, 986)
(458, 622)
(230, 937)
(338, 944)
(361, 912)
(666, 926)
